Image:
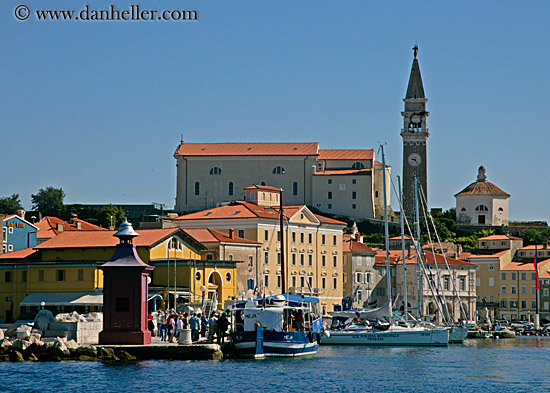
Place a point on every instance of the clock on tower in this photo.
(415, 135)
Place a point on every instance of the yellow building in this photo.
(62, 273)
(313, 243)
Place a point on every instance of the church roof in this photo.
(346, 154)
(247, 149)
(415, 88)
(482, 186)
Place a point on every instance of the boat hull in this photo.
(435, 337)
(457, 334)
(274, 344)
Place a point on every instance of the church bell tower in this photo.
(415, 135)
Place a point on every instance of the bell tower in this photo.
(415, 135)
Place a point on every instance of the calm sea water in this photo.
(520, 365)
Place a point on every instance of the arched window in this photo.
(230, 190)
(295, 188)
(500, 209)
(262, 183)
(216, 171)
(197, 188)
(481, 208)
(278, 170)
(358, 165)
(463, 209)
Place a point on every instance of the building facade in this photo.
(18, 233)
(345, 182)
(312, 254)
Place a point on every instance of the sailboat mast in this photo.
(281, 230)
(419, 250)
(386, 230)
(402, 222)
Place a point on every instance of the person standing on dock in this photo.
(194, 324)
(171, 326)
(223, 324)
(161, 323)
(212, 326)
(204, 325)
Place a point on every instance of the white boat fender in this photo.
(326, 334)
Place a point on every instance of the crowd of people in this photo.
(169, 325)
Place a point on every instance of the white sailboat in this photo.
(379, 326)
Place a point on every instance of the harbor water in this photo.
(516, 365)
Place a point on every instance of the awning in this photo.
(63, 299)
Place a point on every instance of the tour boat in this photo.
(275, 326)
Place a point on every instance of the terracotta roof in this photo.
(482, 188)
(257, 187)
(544, 275)
(540, 247)
(407, 237)
(336, 172)
(499, 237)
(524, 266)
(395, 258)
(351, 245)
(48, 227)
(349, 154)
(85, 239)
(207, 235)
(23, 253)
(243, 209)
(247, 149)
(488, 256)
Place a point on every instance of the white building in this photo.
(345, 182)
(482, 203)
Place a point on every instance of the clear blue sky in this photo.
(98, 108)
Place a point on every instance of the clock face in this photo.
(414, 159)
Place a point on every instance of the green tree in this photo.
(108, 211)
(49, 201)
(10, 205)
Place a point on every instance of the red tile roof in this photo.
(242, 209)
(18, 254)
(207, 235)
(524, 266)
(257, 187)
(499, 237)
(351, 245)
(86, 239)
(395, 258)
(482, 188)
(48, 227)
(247, 149)
(349, 154)
(488, 256)
(540, 247)
(337, 172)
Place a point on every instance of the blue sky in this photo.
(98, 108)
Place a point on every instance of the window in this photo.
(266, 280)
(323, 260)
(523, 290)
(368, 278)
(503, 276)
(323, 240)
(482, 244)
(230, 188)
(197, 188)
(278, 258)
(251, 261)
(533, 289)
(302, 238)
(353, 181)
(294, 281)
(503, 243)
(329, 195)
(513, 290)
(491, 281)
(309, 238)
(481, 219)
(533, 276)
(10, 246)
(329, 206)
(513, 304)
(323, 283)
(24, 276)
(334, 282)
(354, 195)
(302, 260)
(354, 206)
(503, 290)
(358, 165)
(10, 230)
(547, 305)
(293, 237)
(335, 261)
(266, 257)
(513, 276)
(228, 277)
(481, 208)
(358, 277)
(523, 276)
(446, 283)
(524, 304)
(334, 240)
(216, 171)
(533, 304)
(230, 257)
(491, 298)
(310, 280)
(80, 274)
(278, 236)
(41, 275)
(376, 194)
(295, 188)
(329, 181)
(293, 259)
(503, 303)
(266, 235)
(278, 170)
(302, 281)
(198, 277)
(241, 233)
(262, 183)
(491, 266)
(278, 281)
(478, 282)
(310, 260)
(7, 277)
(60, 274)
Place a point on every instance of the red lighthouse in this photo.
(125, 290)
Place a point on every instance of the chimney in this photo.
(232, 233)
(358, 237)
(21, 213)
(409, 253)
(78, 225)
(60, 227)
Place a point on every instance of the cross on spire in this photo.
(415, 50)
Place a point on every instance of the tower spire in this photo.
(415, 88)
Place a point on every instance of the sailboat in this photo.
(380, 326)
